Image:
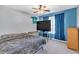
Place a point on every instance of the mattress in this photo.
(21, 45)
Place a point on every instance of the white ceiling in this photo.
(28, 8)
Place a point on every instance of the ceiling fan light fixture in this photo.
(41, 9)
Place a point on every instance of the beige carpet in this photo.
(56, 47)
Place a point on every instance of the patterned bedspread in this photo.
(21, 46)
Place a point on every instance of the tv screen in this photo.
(44, 25)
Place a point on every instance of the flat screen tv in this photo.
(44, 25)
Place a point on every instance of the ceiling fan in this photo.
(41, 8)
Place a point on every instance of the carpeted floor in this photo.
(56, 47)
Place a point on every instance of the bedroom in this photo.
(20, 21)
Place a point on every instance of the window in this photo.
(52, 24)
(34, 20)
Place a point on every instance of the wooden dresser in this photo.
(73, 38)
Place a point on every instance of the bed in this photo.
(21, 43)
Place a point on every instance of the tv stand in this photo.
(47, 35)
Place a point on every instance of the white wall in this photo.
(12, 21)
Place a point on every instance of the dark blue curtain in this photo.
(59, 26)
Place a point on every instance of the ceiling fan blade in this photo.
(34, 8)
(35, 12)
(47, 10)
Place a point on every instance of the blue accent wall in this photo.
(70, 19)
